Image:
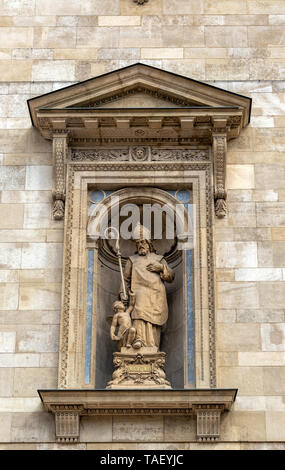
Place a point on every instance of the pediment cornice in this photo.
(140, 105)
(83, 106)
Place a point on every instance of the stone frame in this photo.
(123, 174)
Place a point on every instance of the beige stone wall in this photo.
(237, 45)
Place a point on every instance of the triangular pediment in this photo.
(138, 86)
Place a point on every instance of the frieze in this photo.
(139, 154)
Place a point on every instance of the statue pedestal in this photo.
(139, 368)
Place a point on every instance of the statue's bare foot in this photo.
(128, 345)
(137, 344)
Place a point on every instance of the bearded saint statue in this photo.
(145, 274)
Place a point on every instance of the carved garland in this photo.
(68, 244)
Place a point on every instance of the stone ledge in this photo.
(206, 405)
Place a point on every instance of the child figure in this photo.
(122, 320)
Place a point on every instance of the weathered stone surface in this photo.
(273, 378)
(28, 380)
(130, 429)
(32, 427)
(96, 429)
(273, 337)
(271, 294)
(238, 337)
(236, 254)
(7, 341)
(248, 380)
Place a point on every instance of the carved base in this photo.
(137, 370)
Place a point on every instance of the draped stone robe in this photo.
(151, 310)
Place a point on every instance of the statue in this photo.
(145, 274)
(139, 363)
(122, 320)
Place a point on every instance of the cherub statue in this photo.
(126, 333)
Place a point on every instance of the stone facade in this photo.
(235, 45)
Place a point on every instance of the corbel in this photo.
(140, 2)
(208, 421)
(59, 149)
(67, 423)
(219, 147)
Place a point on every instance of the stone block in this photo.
(183, 36)
(22, 236)
(273, 337)
(99, 37)
(224, 7)
(266, 6)
(5, 427)
(276, 19)
(271, 294)
(260, 316)
(39, 178)
(96, 429)
(34, 20)
(19, 360)
(126, 53)
(248, 380)
(10, 256)
(16, 37)
(243, 426)
(275, 429)
(258, 274)
(49, 360)
(230, 295)
(236, 254)
(240, 177)
(227, 359)
(50, 8)
(39, 216)
(226, 36)
(42, 255)
(96, 7)
(46, 296)
(162, 53)
(12, 178)
(238, 337)
(9, 296)
(75, 54)
(265, 254)
(262, 121)
(225, 275)
(181, 7)
(28, 380)
(259, 36)
(270, 214)
(192, 68)
(6, 381)
(58, 37)
(278, 233)
(43, 70)
(7, 341)
(260, 359)
(9, 275)
(180, 428)
(32, 427)
(227, 69)
(23, 197)
(269, 176)
(11, 216)
(119, 20)
(274, 380)
(38, 338)
(254, 403)
(148, 428)
(205, 53)
(274, 138)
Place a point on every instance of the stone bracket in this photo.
(219, 138)
(60, 148)
(208, 421)
(205, 405)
